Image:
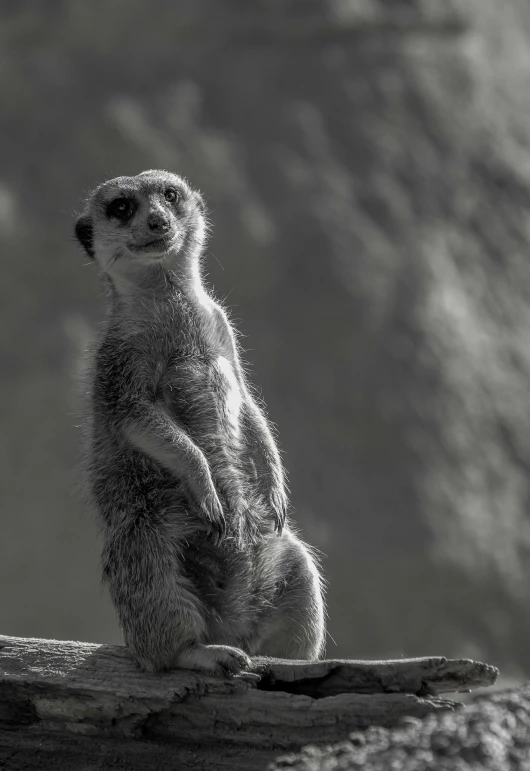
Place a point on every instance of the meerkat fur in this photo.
(183, 471)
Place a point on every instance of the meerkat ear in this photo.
(84, 234)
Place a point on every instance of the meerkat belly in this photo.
(223, 577)
(204, 396)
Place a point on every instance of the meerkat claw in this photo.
(278, 505)
(212, 512)
(217, 530)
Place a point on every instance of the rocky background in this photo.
(492, 734)
(367, 168)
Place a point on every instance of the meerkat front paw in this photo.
(236, 504)
(211, 511)
(277, 500)
(217, 659)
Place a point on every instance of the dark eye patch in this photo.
(122, 208)
(171, 195)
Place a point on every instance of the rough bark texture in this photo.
(52, 694)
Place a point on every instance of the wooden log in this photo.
(70, 698)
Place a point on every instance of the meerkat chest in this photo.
(231, 400)
(200, 381)
(203, 392)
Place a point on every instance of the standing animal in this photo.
(182, 468)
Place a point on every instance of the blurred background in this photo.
(367, 168)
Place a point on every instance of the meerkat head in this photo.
(133, 223)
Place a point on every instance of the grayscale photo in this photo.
(265, 377)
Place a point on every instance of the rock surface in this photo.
(492, 734)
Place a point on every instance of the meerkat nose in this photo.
(157, 223)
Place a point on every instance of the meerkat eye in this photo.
(171, 195)
(121, 208)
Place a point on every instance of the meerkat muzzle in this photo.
(162, 244)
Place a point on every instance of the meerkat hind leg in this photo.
(295, 627)
(160, 612)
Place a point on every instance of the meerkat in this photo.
(202, 565)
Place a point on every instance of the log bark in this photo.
(73, 700)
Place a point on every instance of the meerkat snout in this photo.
(157, 222)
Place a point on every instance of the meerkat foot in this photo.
(217, 659)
